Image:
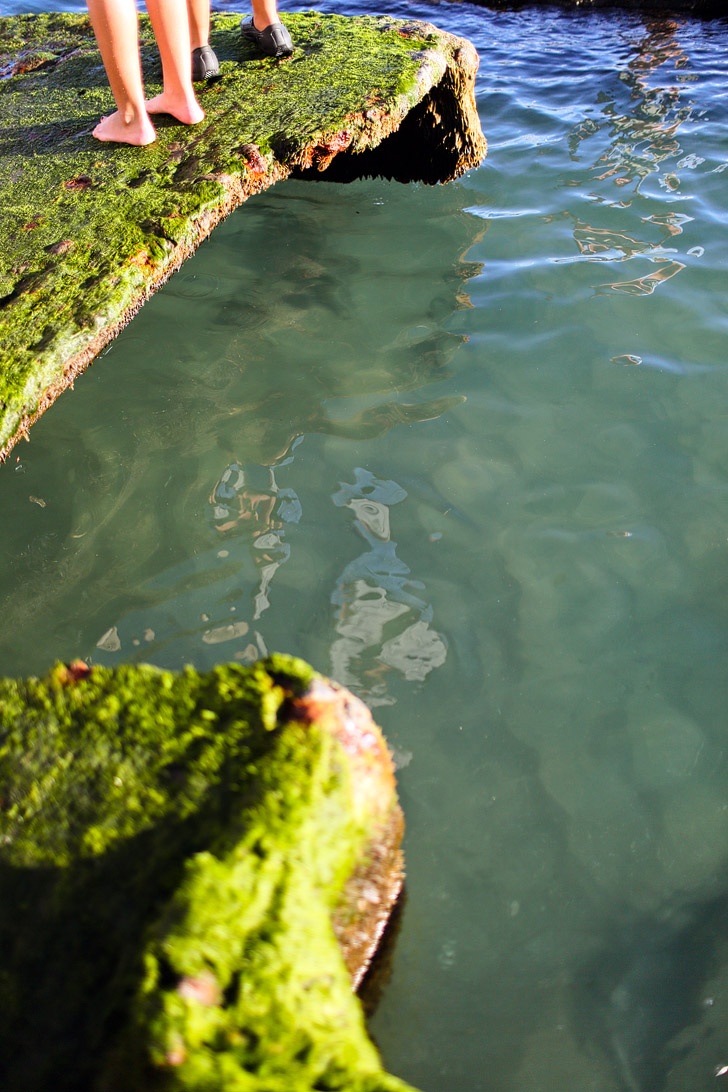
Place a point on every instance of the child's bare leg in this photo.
(198, 12)
(265, 12)
(117, 34)
(172, 31)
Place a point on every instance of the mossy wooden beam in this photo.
(193, 868)
(88, 231)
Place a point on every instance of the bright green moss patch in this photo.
(89, 230)
(172, 849)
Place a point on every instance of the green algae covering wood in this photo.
(173, 852)
(88, 231)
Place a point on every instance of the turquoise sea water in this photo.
(464, 448)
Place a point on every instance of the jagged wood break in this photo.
(174, 851)
(89, 231)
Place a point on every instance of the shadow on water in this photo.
(645, 995)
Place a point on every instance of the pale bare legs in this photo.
(265, 12)
(198, 13)
(117, 34)
(172, 31)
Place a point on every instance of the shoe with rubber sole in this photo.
(275, 40)
(205, 64)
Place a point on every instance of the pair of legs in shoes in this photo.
(263, 29)
(181, 28)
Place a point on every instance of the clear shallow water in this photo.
(464, 448)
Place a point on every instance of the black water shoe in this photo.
(274, 40)
(204, 64)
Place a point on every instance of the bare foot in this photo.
(185, 109)
(113, 128)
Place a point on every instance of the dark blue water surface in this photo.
(466, 449)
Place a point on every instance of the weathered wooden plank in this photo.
(88, 231)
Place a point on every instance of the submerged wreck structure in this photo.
(194, 869)
(90, 230)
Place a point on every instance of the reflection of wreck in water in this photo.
(220, 597)
(381, 624)
(645, 137)
(247, 499)
(337, 332)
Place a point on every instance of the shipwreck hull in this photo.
(90, 231)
